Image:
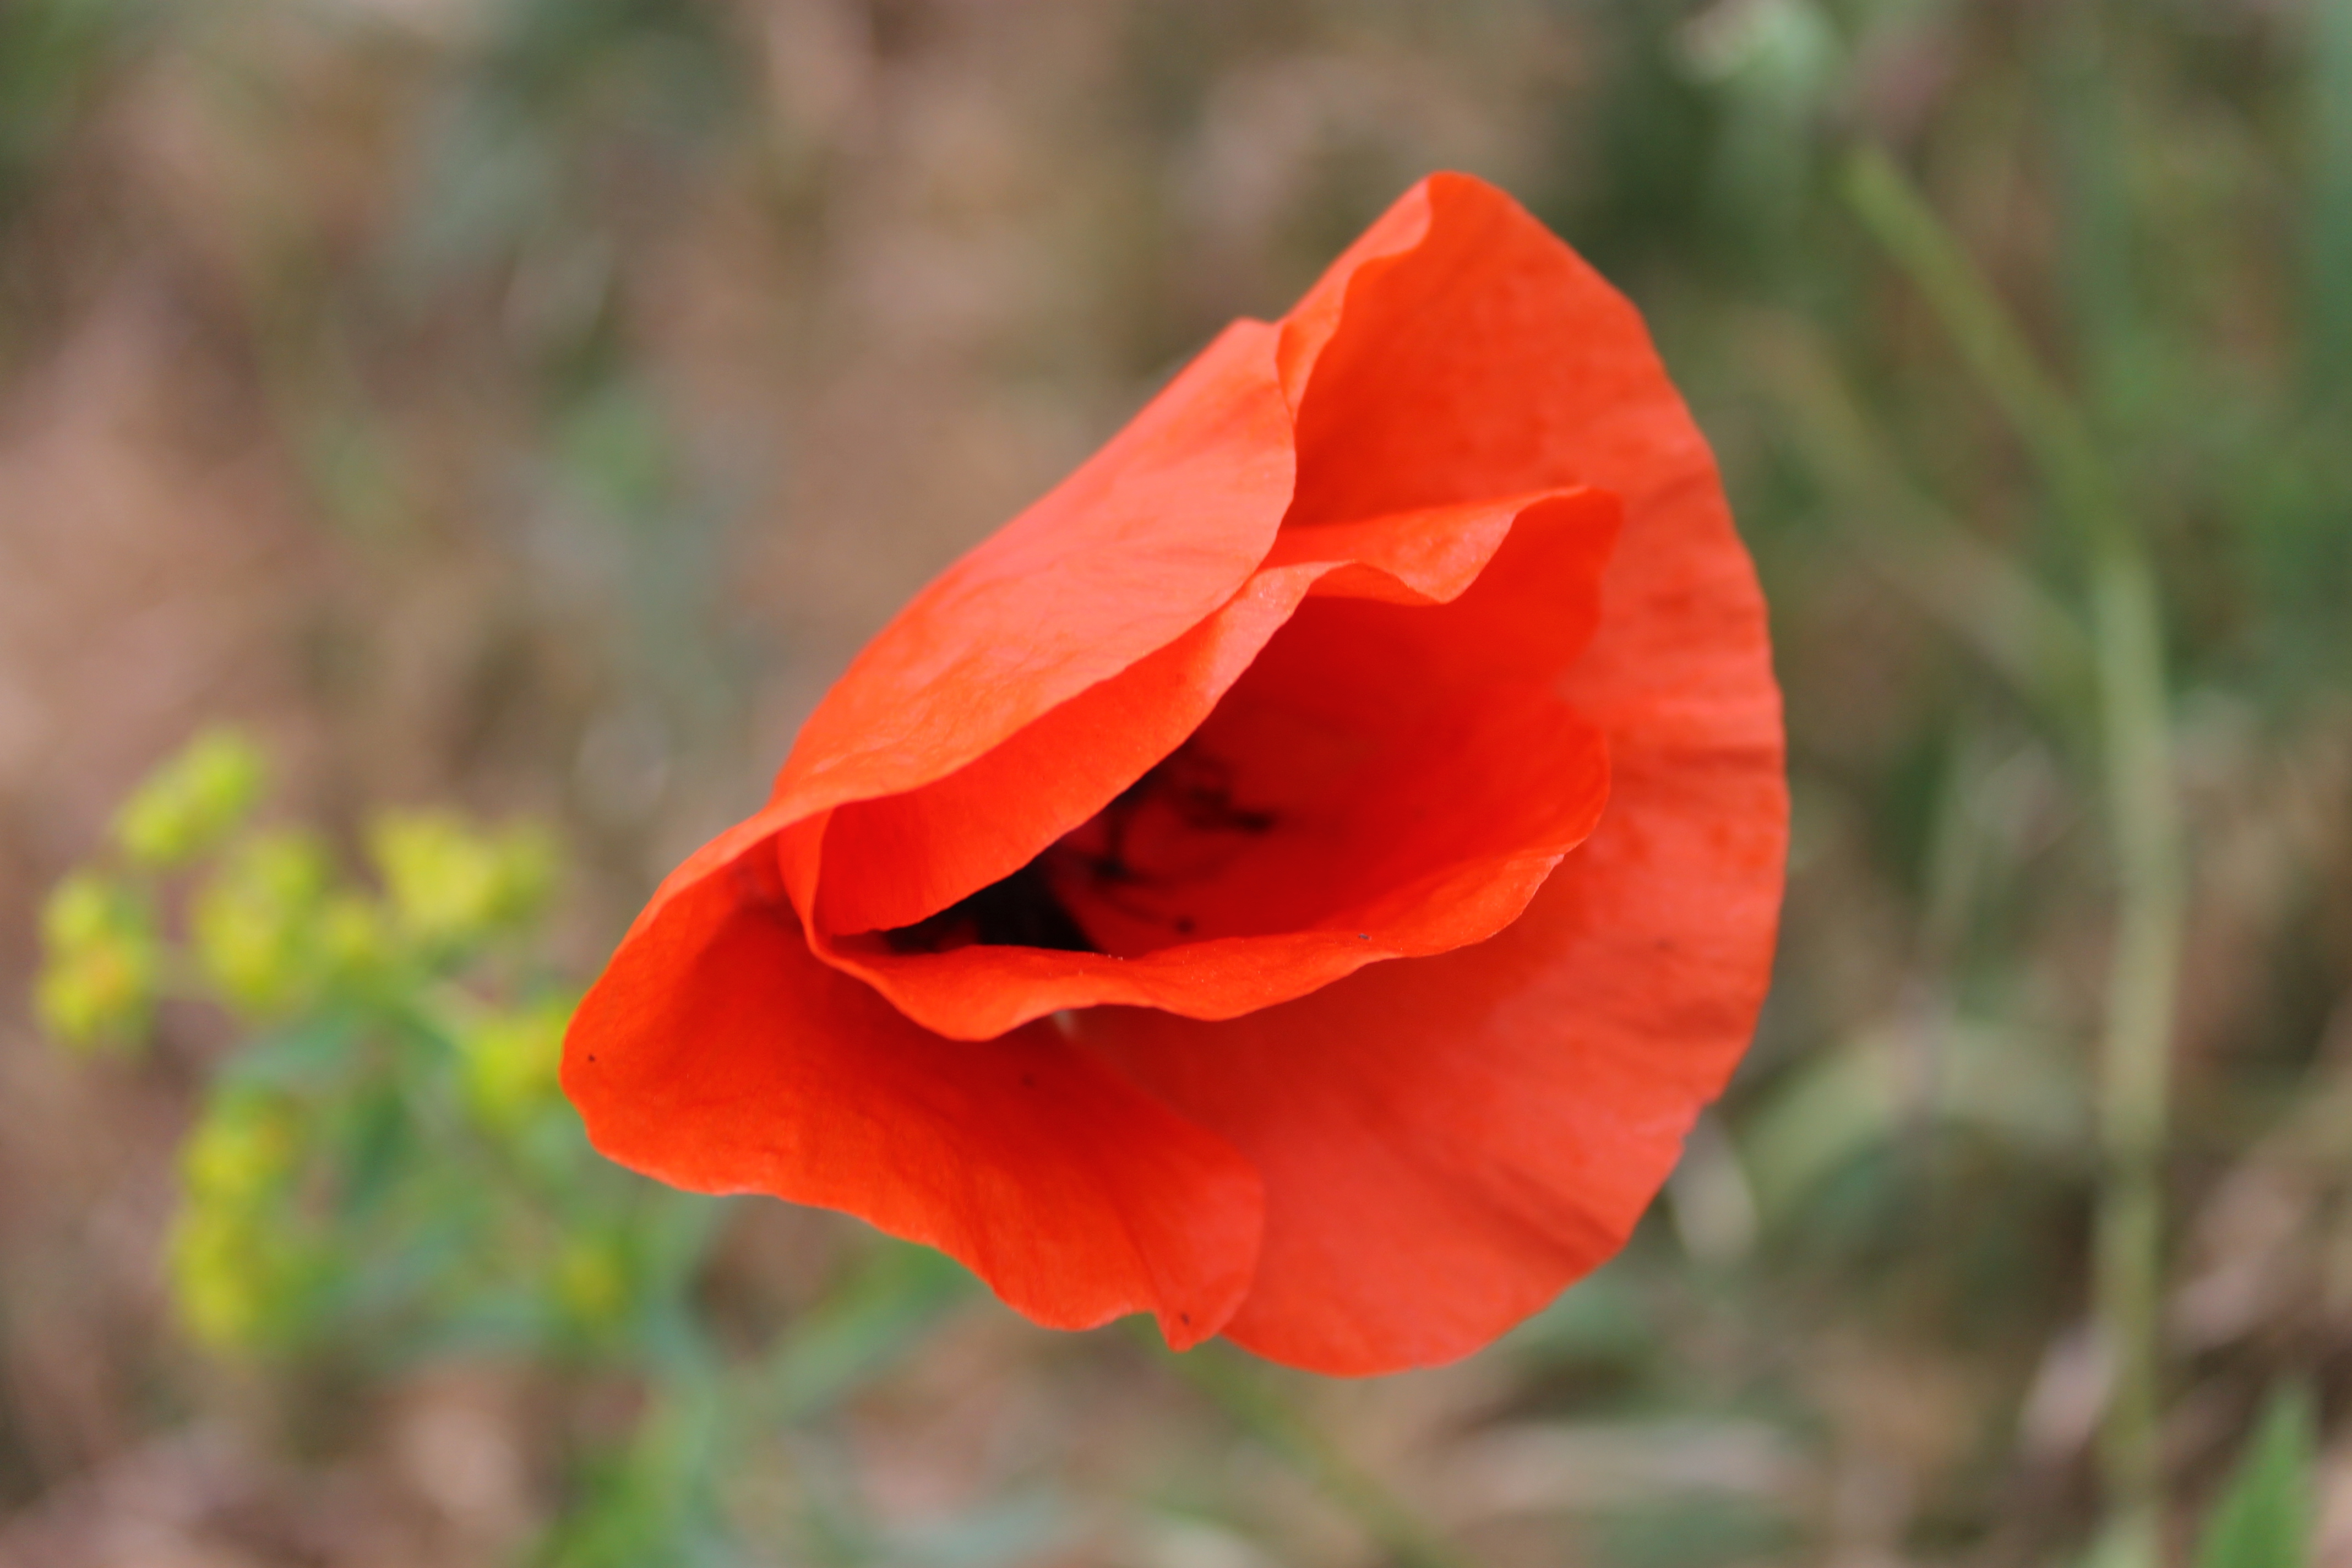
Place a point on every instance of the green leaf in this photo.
(2265, 1516)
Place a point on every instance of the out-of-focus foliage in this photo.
(384, 1174)
(387, 1166)
(2263, 1519)
(531, 402)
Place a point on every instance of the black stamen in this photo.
(1023, 910)
(1019, 911)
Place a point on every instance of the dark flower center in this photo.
(1175, 823)
(1020, 910)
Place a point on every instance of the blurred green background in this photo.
(489, 424)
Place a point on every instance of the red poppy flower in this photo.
(1300, 879)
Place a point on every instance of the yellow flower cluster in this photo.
(104, 965)
(232, 1263)
(260, 923)
(449, 885)
(404, 1064)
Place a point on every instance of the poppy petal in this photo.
(1488, 359)
(1141, 544)
(1307, 327)
(1454, 791)
(1446, 1143)
(719, 1056)
(1542, 777)
(892, 861)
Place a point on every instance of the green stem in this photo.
(2143, 821)
(1263, 1413)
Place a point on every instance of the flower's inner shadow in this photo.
(1380, 769)
(1177, 823)
(1022, 910)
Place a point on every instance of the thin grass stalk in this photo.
(1253, 1405)
(2143, 825)
(2327, 208)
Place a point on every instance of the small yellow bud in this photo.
(98, 984)
(450, 885)
(82, 909)
(244, 1144)
(591, 1281)
(510, 1062)
(352, 933)
(191, 802)
(218, 1278)
(101, 992)
(256, 924)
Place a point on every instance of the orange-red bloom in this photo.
(1300, 879)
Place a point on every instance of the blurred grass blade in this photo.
(2099, 239)
(2143, 823)
(311, 1052)
(2330, 210)
(2263, 1519)
(861, 1329)
(1868, 1094)
(2041, 414)
(1992, 605)
(1251, 1400)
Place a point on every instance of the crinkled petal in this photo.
(717, 1054)
(1455, 783)
(1141, 544)
(892, 861)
